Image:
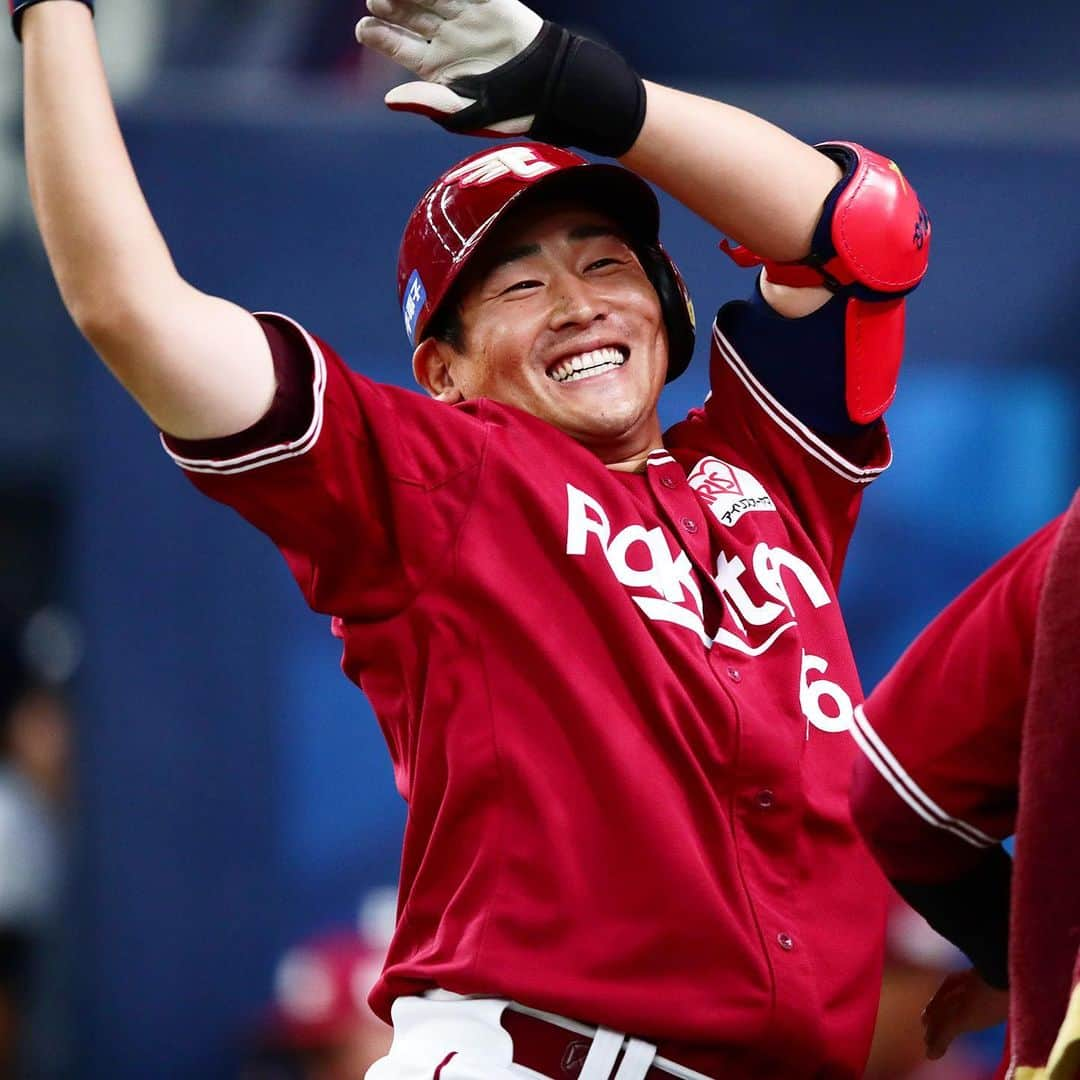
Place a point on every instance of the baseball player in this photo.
(608, 660)
(967, 741)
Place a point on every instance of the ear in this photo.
(432, 370)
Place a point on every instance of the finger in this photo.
(520, 125)
(950, 986)
(401, 46)
(419, 20)
(428, 99)
(942, 1002)
(942, 1005)
(939, 1038)
(939, 1023)
(937, 1049)
(936, 1036)
(438, 102)
(447, 9)
(944, 1023)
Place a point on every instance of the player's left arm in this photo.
(835, 219)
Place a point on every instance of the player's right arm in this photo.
(198, 365)
(259, 414)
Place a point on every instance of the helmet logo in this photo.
(413, 304)
(519, 161)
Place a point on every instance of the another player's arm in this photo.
(934, 791)
(198, 365)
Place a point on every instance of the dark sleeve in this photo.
(972, 911)
(800, 361)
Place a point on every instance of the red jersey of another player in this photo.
(617, 704)
(941, 734)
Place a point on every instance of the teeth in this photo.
(587, 364)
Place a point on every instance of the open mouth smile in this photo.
(585, 365)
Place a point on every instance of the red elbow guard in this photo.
(873, 233)
(872, 245)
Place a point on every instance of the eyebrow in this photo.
(587, 232)
(523, 251)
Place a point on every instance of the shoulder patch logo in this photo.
(728, 491)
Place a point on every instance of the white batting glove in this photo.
(444, 41)
(494, 67)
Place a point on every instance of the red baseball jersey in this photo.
(618, 705)
(939, 777)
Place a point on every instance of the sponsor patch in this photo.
(729, 492)
(413, 304)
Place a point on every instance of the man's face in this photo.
(560, 320)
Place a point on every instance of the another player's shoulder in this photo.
(1021, 572)
(988, 627)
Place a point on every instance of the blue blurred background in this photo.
(232, 791)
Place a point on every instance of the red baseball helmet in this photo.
(448, 224)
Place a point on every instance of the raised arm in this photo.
(822, 221)
(495, 67)
(747, 177)
(198, 365)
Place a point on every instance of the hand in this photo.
(962, 1003)
(447, 41)
(494, 67)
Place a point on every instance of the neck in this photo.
(633, 464)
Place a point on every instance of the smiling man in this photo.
(607, 659)
(557, 317)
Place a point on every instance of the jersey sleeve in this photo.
(936, 784)
(819, 476)
(362, 486)
(801, 362)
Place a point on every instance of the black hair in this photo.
(446, 325)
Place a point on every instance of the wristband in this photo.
(581, 93)
(19, 6)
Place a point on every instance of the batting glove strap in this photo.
(581, 94)
(19, 6)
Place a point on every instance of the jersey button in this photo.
(734, 674)
(786, 942)
(667, 481)
(689, 524)
(765, 799)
